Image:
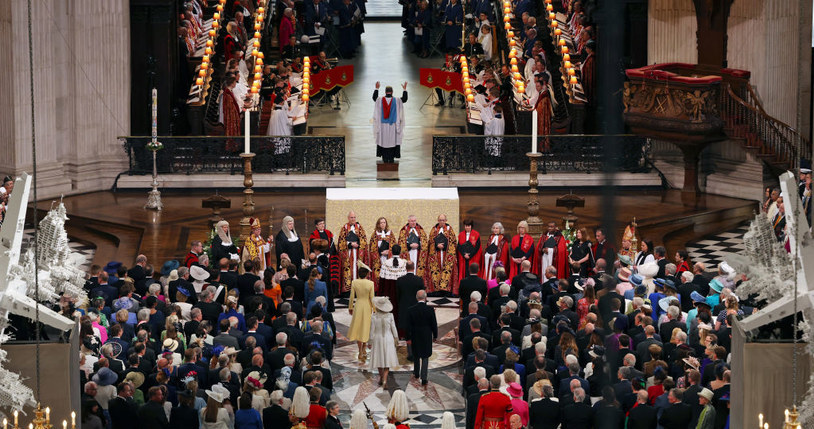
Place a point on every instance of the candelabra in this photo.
(42, 419)
(534, 221)
(790, 421)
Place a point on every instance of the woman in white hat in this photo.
(358, 420)
(398, 410)
(383, 338)
(360, 306)
(214, 416)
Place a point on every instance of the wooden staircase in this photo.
(779, 145)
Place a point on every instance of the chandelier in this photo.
(39, 422)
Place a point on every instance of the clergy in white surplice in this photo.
(388, 124)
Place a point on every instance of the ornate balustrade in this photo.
(568, 153)
(191, 155)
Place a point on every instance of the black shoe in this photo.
(415, 375)
(439, 104)
(423, 382)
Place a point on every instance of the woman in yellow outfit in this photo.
(362, 292)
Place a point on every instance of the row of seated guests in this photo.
(612, 350)
(153, 360)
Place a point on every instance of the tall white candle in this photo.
(155, 115)
(534, 131)
(247, 115)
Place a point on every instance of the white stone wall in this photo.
(81, 89)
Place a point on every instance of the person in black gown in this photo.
(289, 242)
(581, 252)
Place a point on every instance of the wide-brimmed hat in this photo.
(170, 344)
(640, 290)
(596, 351)
(716, 285)
(514, 390)
(186, 393)
(198, 273)
(698, 299)
(259, 376)
(704, 326)
(636, 279)
(168, 266)
(383, 304)
(183, 291)
(229, 350)
(360, 264)
(624, 260)
(624, 274)
(221, 389)
(135, 377)
(123, 303)
(664, 303)
(105, 376)
(706, 394)
(692, 362)
(648, 270)
(217, 396)
(112, 267)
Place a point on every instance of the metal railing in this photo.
(565, 153)
(205, 154)
(744, 117)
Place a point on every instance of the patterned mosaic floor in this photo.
(711, 250)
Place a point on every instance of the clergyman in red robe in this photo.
(552, 251)
(521, 249)
(468, 248)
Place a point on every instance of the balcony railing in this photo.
(565, 153)
(192, 155)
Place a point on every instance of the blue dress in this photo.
(320, 288)
(248, 419)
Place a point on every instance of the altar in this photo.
(395, 204)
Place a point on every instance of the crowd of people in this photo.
(5, 193)
(554, 330)
(775, 209)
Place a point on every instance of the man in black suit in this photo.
(296, 284)
(275, 416)
(565, 304)
(406, 288)
(421, 330)
(666, 329)
(678, 415)
(685, 289)
(291, 300)
(151, 415)
(123, 409)
(245, 282)
(690, 396)
(491, 360)
(473, 400)
(544, 413)
(138, 274)
(642, 353)
(623, 388)
(314, 340)
(224, 338)
(496, 304)
(578, 415)
(642, 416)
(227, 277)
(471, 376)
(104, 290)
(472, 283)
(209, 310)
(474, 326)
(295, 334)
(700, 279)
(463, 325)
(503, 326)
(251, 331)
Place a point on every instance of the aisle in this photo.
(356, 387)
(384, 56)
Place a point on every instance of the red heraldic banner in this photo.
(447, 81)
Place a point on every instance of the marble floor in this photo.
(385, 57)
(356, 386)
